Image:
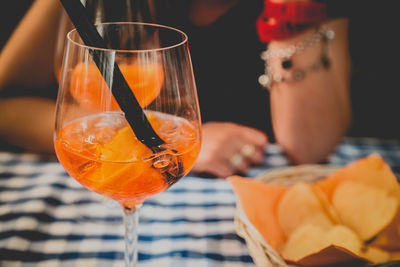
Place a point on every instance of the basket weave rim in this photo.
(291, 174)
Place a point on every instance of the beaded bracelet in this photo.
(268, 78)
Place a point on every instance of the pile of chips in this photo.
(354, 211)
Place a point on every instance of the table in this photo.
(48, 219)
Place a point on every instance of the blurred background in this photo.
(374, 48)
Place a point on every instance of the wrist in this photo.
(292, 60)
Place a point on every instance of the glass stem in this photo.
(131, 222)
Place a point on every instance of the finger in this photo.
(252, 154)
(248, 150)
(239, 164)
(214, 166)
(257, 157)
(222, 171)
(244, 168)
(254, 136)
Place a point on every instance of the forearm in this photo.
(28, 123)
(310, 116)
(27, 57)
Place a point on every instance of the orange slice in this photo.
(131, 182)
(90, 90)
(122, 159)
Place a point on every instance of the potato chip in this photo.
(395, 256)
(365, 209)
(375, 255)
(342, 236)
(309, 239)
(389, 238)
(299, 206)
(371, 170)
(329, 210)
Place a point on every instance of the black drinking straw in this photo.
(124, 96)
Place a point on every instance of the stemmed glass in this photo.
(94, 139)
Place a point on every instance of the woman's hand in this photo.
(229, 148)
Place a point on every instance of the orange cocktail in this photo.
(125, 146)
(113, 162)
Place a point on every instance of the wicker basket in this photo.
(262, 253)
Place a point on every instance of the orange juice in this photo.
(113, 162)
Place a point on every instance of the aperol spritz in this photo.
(94, 139)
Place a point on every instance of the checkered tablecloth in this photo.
(48, 219)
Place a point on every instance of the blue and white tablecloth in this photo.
(48, 219)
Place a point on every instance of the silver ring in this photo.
(247, 150)
(236, 160)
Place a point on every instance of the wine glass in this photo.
(100, 11)
(94, 139)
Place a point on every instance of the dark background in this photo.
(375, 51)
